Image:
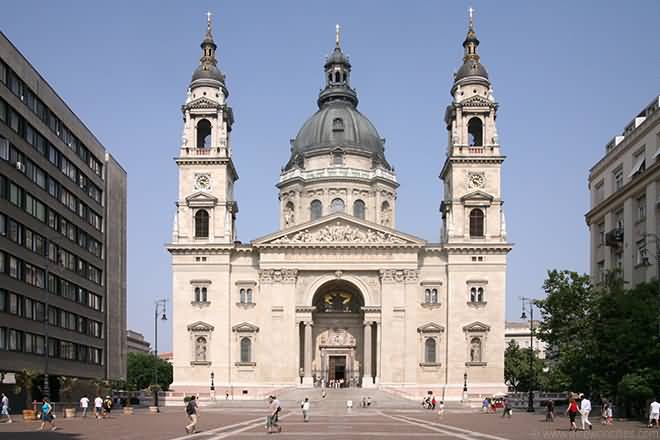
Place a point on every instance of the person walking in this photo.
(271, 420)
(603, 412)
(107, 407)
(441, 408)
(550, 411)
(654, 414)
(305, 409)
(84, 404)
(192, 409)
(572, 411)
(508, 410)
(5, 408)
(47, 415)
(98, 407)
(585, 409)
(484, 405)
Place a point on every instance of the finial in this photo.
(471, 11)
(337, 28)
(208, 21)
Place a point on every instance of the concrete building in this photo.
(62, 256)
(338, 292)
(135, 343)
(519, 333)
(625, 196)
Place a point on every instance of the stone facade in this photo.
(338, 292)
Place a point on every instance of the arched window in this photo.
(200, 349)
(201, 224)
(337, 124)
(246, 350)
(241, 296)
(204, 134)
(427, 296)
(337, 77)
(473, 294)
(475, 132)
(249, 296)
(434, 296)
(475, 350)
(330, 76)
(337, 158)
(385, 214)
(430, 351)
(316, 209)
(476, 223)
(200, 294)
(480, 294)
(358, 209)
(337, 205)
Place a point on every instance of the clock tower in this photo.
(472, 207)
(206, 209)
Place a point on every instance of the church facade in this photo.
(338, 293)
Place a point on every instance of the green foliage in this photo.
(141, 371)
(605, 336)
(517, 372)
(25, 381)
(66, 387)
(102, 387)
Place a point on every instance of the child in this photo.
(441, 408)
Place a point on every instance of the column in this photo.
(378, 342)
(309, 350)
(367, 380)
(298, 342)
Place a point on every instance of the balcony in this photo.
(614, 238)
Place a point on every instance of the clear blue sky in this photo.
(568, 76)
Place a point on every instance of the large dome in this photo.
(336, 124)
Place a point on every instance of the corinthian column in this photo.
(367, 380)
(309, 351)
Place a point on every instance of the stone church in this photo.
(338, 293)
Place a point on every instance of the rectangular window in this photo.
(601, 233)
(3, 338)
(4, 148)
(618, 219)
(641, 208)
(618, 178)
(641, 257)
(3, 300)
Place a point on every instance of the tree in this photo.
(25, 381)
(66, 387)
(517, 372)
(141, 371)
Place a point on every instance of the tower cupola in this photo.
(208, 63)
(472, 67)
(337, 77)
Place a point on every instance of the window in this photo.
(476, 294)
(337, 205)
(639, 163)
(201, 224)
(599, 192)
(338, 158)
(359, 209)
(200, 294)
(201, 349)
(3, 338)
(241, 296)
(476, 223)
(4, 148)
(641, 257)
(641, 208)
(601, 233)
(316, 209)
(475, 350)
(430, 351)
(618, 219)
(618, 178)
(246, 350)
(475, 132)
(431, 296)
(337, 124)
(204, 134)
(618, 260)
(249, 296)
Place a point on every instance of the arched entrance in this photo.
(337, 334)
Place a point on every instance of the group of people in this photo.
(102, 407)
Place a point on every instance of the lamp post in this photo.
(212, 386)
(530, 303)
(465, 385)
(160, 307)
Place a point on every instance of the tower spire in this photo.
(337, 73)
(471, 12)
(208, 62)
(471, 41)
(337, 30)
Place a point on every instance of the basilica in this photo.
(338, 293)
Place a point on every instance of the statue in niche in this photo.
(475, 350)
(288, 215)
(200, 349)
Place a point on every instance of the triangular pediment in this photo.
(476, 326)
(339, 230)
(477, 196)
(201, 199)
(476, 101)
(430, 327)
(245, 327)
(203, 103)
(200, 326)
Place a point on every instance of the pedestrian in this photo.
(572, 411)
(271, 420)
(84, 404)
(609, 413)
(603, 412)
(484, 405)
(98, 407)
(226, 395)
(441, 408)
(5, 408)
(654, 414)
(305, 409)
(323, 394)
(550, 411)
(47, 415)
(585, 409)
(508, 410)
(368, 401)
(433, 401)
(107, 407)
(191, 411)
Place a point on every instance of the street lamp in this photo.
(530, 302)
(465, 385)
(160, 307)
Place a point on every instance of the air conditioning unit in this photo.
(20, 167)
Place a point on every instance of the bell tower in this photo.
(206, 209)
(472, 207)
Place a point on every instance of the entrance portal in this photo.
(337, 368)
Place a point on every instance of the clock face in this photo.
(476, 180)
(202, 182)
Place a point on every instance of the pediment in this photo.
(477, 196)
(476, 101)
(476, 326)
(200, 326)
(201, 199)
(339, 230)
(245, 327)
(203, 102)
(430, 327)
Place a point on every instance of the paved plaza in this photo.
(248, 423)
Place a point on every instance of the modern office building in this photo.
(62, 234)
(625, 197)
(135, 342)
